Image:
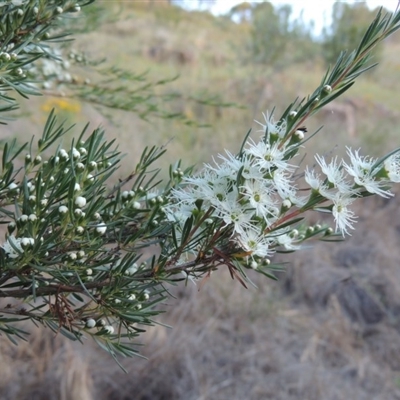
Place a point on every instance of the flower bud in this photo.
(327, 89)
(79, 167)
(80, 254)
(78, 213)
(75, 154)
(90, 323)
(11, 227)
(286, 204)
(109, 329)
(80, 202)
(23, 219)
(32, 217)
(299, 134)
(63, 210)
(101, 229)
(5, 57)
(253, 265)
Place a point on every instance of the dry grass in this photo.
(330, 329)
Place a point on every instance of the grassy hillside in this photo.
(330, 328)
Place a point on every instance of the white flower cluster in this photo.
(15, 247)
(255, 196)
(364, 174)
(249, 193)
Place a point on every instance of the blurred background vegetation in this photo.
(330, 328)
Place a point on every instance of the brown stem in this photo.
(53, 289)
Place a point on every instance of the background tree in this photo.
(276, 37)
(349, 22)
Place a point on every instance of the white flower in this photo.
(344, 217)
(392, 167)
(287, 241)
(13, 247)
(335, 174)
(364, 176)
(234, 213)
(254, 243)
(258, 195)
(273, 128)
(287, 189)
(179, 212)
(268, 156)
(245, 164)
(313, 179)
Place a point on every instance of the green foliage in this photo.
(27, 28)
(87, 258)
(349, 22)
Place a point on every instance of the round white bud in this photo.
(80, 202)
(109, 329)
(286, 204)
(253, 265)
(75, 154)
(32, 217)
(101, 229)
(90, 323)
(62, 209)
(23, 218)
